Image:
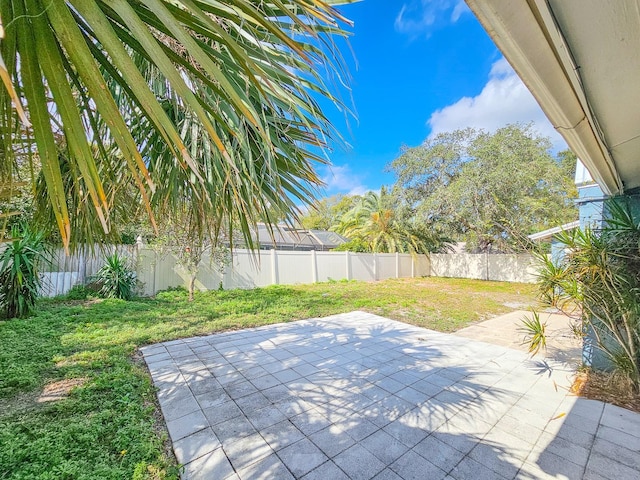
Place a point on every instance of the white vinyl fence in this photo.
(483, 266)
(160, 271)
(61, 272)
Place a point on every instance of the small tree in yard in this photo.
(186, 236)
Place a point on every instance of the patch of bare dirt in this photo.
(606, 387)
(58, 390)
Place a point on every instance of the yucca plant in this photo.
(208, 101)
(117, 278)
(19, 267)
(600, 273)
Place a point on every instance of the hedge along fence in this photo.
(158, 271)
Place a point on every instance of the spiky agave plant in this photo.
(19, 271)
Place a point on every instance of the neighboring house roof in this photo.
(580, 61)
(549, 233)
(288, 238)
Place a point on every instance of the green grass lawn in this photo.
(110, 426)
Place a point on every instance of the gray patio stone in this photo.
(178, 406)
(209, 466)
(610, 468)
(412, 466)
(244, 451)
(234, 429)
(185, 426)
(240, 389)
(387, 474)
(281, 434)
(326, 471)
(553, 466)
(385, 447)
(619, 438)
(376, 398)
(439, 453)
(222, 412)
(302, 457)
(196, 445)
(469, 469)
(358, 463)
(331, 440)
(267, 468)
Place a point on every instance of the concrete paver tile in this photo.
(302, 457)
(468, 469)
(385, 447)
(222, 412)
(178, 406)
(407, 434)
(616, 453)
(412, 466)
(358, 463)
(244, 451)
(281, 434)
(196, 445)
(619, 438)
(252, 402)
(503, 460)
(563, 448)
(185, 426)
(554, 466)
(234, 429)
(267, 468)
(211, 465)
(439, 453)
(331, 440)
(621, 419)
(326, 471)
(265, 417)
(610, 469)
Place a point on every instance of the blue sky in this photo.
(421, 67)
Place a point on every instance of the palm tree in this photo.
(373, 222)
(206, 101)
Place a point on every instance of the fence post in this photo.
(397, 265)
(413, 266)
(486, 265)
(375, 266)
(274, 266)
(314, 267)
(348, 264)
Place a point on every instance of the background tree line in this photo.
(489, 190)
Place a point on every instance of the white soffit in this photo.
(581, 60)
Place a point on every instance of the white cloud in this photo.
(504, 99)
(418, 17)
(341, 179)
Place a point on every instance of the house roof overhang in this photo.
(581, 61)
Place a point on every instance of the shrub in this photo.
(19, 279)
(600, 274)
(117, 278)
(77, 292)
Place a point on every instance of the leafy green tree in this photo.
(326, 212)
(489, 189)
(228, 89)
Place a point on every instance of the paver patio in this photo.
(357, 396)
